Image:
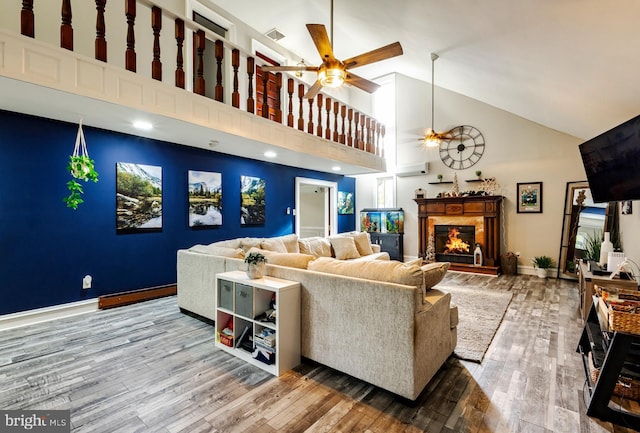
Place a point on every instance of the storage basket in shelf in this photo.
(225, 339)
(623, 318)
(625, 387)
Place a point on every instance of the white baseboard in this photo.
(30, 317)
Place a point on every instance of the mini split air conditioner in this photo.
(413, 170)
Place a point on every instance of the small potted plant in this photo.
(541, 264)
(256, 263)
(479, 173)
(439, 178)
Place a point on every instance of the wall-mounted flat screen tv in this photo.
(612, 163)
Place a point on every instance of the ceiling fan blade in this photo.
(361, 83)
(319, 35)
(382, 53)
(289, 68)
(313, 91)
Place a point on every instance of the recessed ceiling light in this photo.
(336, 168)
(143, 125)
(270, 154)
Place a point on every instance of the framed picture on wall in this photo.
(138, 198)
(252, 200)
(627, 207)
(530, 197)
(205, 199)
(345, 203)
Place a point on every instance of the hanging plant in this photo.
(81, 167)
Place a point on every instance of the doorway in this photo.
(316, 207)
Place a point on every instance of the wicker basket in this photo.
(625, 387)
(623, 316)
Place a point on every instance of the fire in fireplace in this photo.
(454, 243)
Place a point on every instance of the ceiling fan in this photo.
(333, 72)
(433, 138)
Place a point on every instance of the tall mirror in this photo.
(582, 228)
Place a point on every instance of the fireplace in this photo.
(481, 212)
(454, 243)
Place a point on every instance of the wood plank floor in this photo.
(149, 368)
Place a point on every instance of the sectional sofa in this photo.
(373, 318)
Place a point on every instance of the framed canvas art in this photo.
(252, 200)
(205, 199)
(530, 197)
(138, 198)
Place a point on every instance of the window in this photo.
(384, 192)
(206, 22)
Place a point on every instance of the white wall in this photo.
(517, 150)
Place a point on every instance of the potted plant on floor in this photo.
(256, 263)
(541, 264)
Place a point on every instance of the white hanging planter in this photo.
(81, 167)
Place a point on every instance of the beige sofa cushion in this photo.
(247, 243)
(216, 250)
(290, 242)
(273, 244)
(316, 246)
(344, 247)
(434, 273)
(291, 260)
(362, 240)
(379, 270)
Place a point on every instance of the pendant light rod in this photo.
(434, 57)
(331, 26)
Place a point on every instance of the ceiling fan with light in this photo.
(333, 72)
(433, 138)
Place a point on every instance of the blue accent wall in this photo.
(47, 248)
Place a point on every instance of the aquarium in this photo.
(382, 220)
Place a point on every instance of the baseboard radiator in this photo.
(133, 296)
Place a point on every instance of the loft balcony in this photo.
(197, 88)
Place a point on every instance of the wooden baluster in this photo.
(219, 53)
(350, 135)
(343, 114)
(265, 94)
(356, 132)
(382, 131)
(66, 31)
(378, 146)
(327, 129)
(367, 135)
(319, 129)
(336, 106)
(310, 124)
(278, 107)
(200, 84)
(27, 21)
(250, 71)
(361, 136)
(101, 41)
(290, 84)
(235, 62)
(301, 107)
(156, 25)
(180, 55)
(130, 53)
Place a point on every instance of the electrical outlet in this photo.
(86, 282)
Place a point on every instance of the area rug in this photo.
(480, 312)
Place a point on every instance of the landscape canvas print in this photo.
(138, 197)
(252, 200)
(205, 199)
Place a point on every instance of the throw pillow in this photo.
(215, 250)
(247, 243)
(316, 246)
(363, 244)
(290, 242)
(344, 247)
(273, 244)
(433, 273)
(291, 260)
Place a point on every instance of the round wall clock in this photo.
(463, 148)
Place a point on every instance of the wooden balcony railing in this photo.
(333, 120)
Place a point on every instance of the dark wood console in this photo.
(483, 211)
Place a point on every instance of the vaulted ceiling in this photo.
(570, 65)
